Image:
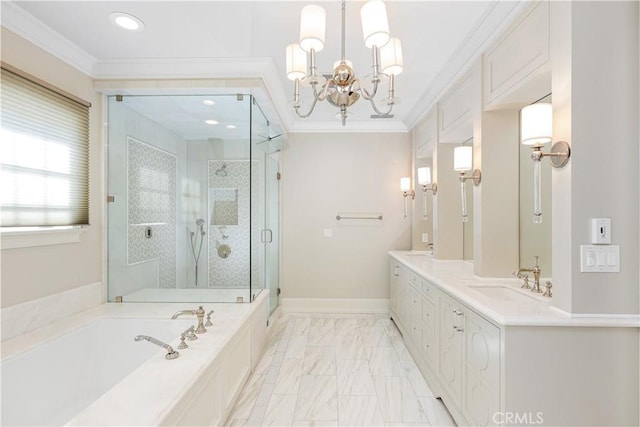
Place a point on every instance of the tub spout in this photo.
(171, 353)
(199, 313)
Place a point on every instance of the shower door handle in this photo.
(267, 236)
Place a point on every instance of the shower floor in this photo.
(189, 295)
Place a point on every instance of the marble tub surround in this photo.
(457, 279)
(21, 318)
(337, 370)
(147, 395)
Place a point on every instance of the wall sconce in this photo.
(405, 187)
(424, 179)
(463, 162)
(536, 128)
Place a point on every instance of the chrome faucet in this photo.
(199, 313)
(171, 353)
(536, 277)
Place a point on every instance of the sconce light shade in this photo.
(313, 20)
(375, 27)
(391, 57)
(536, 124)
(405, 184)
(296, 62)
(463, 158)
(424, 176)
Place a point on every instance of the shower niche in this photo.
(192, 180)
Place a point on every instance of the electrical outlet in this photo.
(425, 237)
(601, 231)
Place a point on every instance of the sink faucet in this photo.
(536, 277)
(171, 353)
(199, 313)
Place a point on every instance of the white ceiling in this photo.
(438, 38)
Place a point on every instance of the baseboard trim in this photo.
(334, 305)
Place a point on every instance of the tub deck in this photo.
(159, 391)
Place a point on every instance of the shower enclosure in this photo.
(193, 199)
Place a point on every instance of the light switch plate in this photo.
(328, 233)
(600, 259)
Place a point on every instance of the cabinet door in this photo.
(450, 351)
(482, 369)
(394, 275)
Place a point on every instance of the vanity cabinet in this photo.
(456, 349)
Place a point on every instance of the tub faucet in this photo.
(199, 313)
(171, 353)
(536, 277)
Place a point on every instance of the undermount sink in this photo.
(502, 293)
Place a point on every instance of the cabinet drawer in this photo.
(429, 347)
(414, 329)
(414, 300)
(413, 280)
(428, 314)
(428, 290)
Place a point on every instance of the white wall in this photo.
(595, 98)
(322, 175)
(30, 273)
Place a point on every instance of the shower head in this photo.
(222, 171)
(200, 222)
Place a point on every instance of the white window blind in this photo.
(44, 155)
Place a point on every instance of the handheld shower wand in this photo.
(196, 257)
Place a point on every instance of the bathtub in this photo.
(53, 382)
(87, 370)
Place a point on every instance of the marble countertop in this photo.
(457, 279)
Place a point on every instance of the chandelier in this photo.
(342, 88)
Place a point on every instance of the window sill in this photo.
(40, 237)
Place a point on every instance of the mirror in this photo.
(535, 239)
(467, 227)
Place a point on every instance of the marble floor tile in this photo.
(296, 347)
(300, 326)
(247, 398)
(359, 411)
(319, 361)
(436, 412)
(317, 398)
(398, 401)
(418, 383)
(332, 370)
(375, 336)
(288, 380)
(350, 347)
(354, 378)
(346, 327)
(383, 361)
(280, 410)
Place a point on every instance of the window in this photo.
(44, 155)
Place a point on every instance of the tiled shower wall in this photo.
(240, 184)
(151, 209)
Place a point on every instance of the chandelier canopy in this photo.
(342, 88)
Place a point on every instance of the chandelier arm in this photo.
(375, 108)
(323, 94)
(365, 93)
(304, 116)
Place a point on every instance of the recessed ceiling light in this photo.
(126, 21)
(208, 102)
(211, 122)
(231, 127)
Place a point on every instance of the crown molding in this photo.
(352, 126)
(490, 26)
(22, 23)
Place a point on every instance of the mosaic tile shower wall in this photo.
(230, 210)
(151, 204)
